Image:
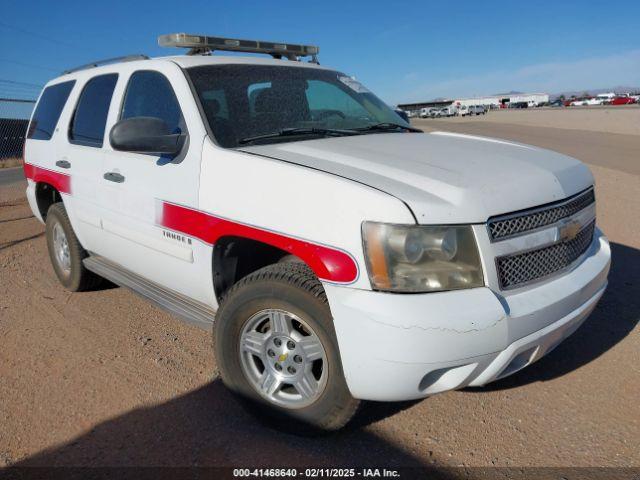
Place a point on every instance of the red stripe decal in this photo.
(328, 263)
(60, 181)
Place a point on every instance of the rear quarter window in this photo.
(48, 111)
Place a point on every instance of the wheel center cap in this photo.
(283, 357)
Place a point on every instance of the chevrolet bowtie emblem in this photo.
(283, 357)
(568, 230)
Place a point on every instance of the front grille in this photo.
(509, 225)
(521, 268)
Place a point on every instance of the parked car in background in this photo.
(557, 103)
(623, 101)
(594, 101)
(463, 110)
(429, 112)
(448, 111)
(476, 110)
(606, 97)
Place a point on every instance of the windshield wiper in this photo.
(387, 127)
(286, 132)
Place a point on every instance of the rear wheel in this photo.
(66, 253)
(277, 350)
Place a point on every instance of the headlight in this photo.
(416, 258)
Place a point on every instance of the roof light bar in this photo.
(203, 44)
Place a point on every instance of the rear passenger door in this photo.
(135, 186)
(45, 141)
(82, 156)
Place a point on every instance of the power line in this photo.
(14, 82)
(17, 100)
(18, 88)
(35, 34)
(28, 65)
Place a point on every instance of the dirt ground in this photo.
(622, 119)
(104, 379)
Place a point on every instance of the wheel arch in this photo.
(236, 256)
(46, 195)
(49, 186)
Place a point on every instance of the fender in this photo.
(59, 181)
(329, 263)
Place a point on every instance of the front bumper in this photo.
(401, 346)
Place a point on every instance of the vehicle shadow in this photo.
(615, 316)
(208, 427)
(12, 243)
(16, 219)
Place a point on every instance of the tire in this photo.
(291, 292)
(68, 267)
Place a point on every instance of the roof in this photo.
(184, 61)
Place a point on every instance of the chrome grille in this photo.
(521, 268)
(509, 225)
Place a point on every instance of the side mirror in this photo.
(145, 135)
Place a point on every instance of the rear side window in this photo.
(149, 94)
(48, 110)
(90, 118)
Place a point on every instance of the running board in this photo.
(186, 309)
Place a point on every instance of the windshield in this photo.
(242, 102)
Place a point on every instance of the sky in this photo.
(403, 51)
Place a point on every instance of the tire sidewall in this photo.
(274, 294)
(57, 215)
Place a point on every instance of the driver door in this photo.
(134, 187)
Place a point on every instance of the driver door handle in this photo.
(63, 164)
(114, 177)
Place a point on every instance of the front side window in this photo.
(149, 94)
(48, 111)
(263, 100)
(90, 118)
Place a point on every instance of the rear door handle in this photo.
(114, 177)
(63, 164)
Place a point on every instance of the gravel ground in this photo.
(103, 378)
(622, 119)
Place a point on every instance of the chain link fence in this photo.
(14, 118)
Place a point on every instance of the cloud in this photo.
(618, 69)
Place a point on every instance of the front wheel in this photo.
(276, 349)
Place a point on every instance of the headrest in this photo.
(212, 107)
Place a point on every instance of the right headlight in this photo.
(417, 258)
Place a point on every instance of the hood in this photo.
(443, 177)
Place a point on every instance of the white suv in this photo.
(343, 254)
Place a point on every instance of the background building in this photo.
(501, 100)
